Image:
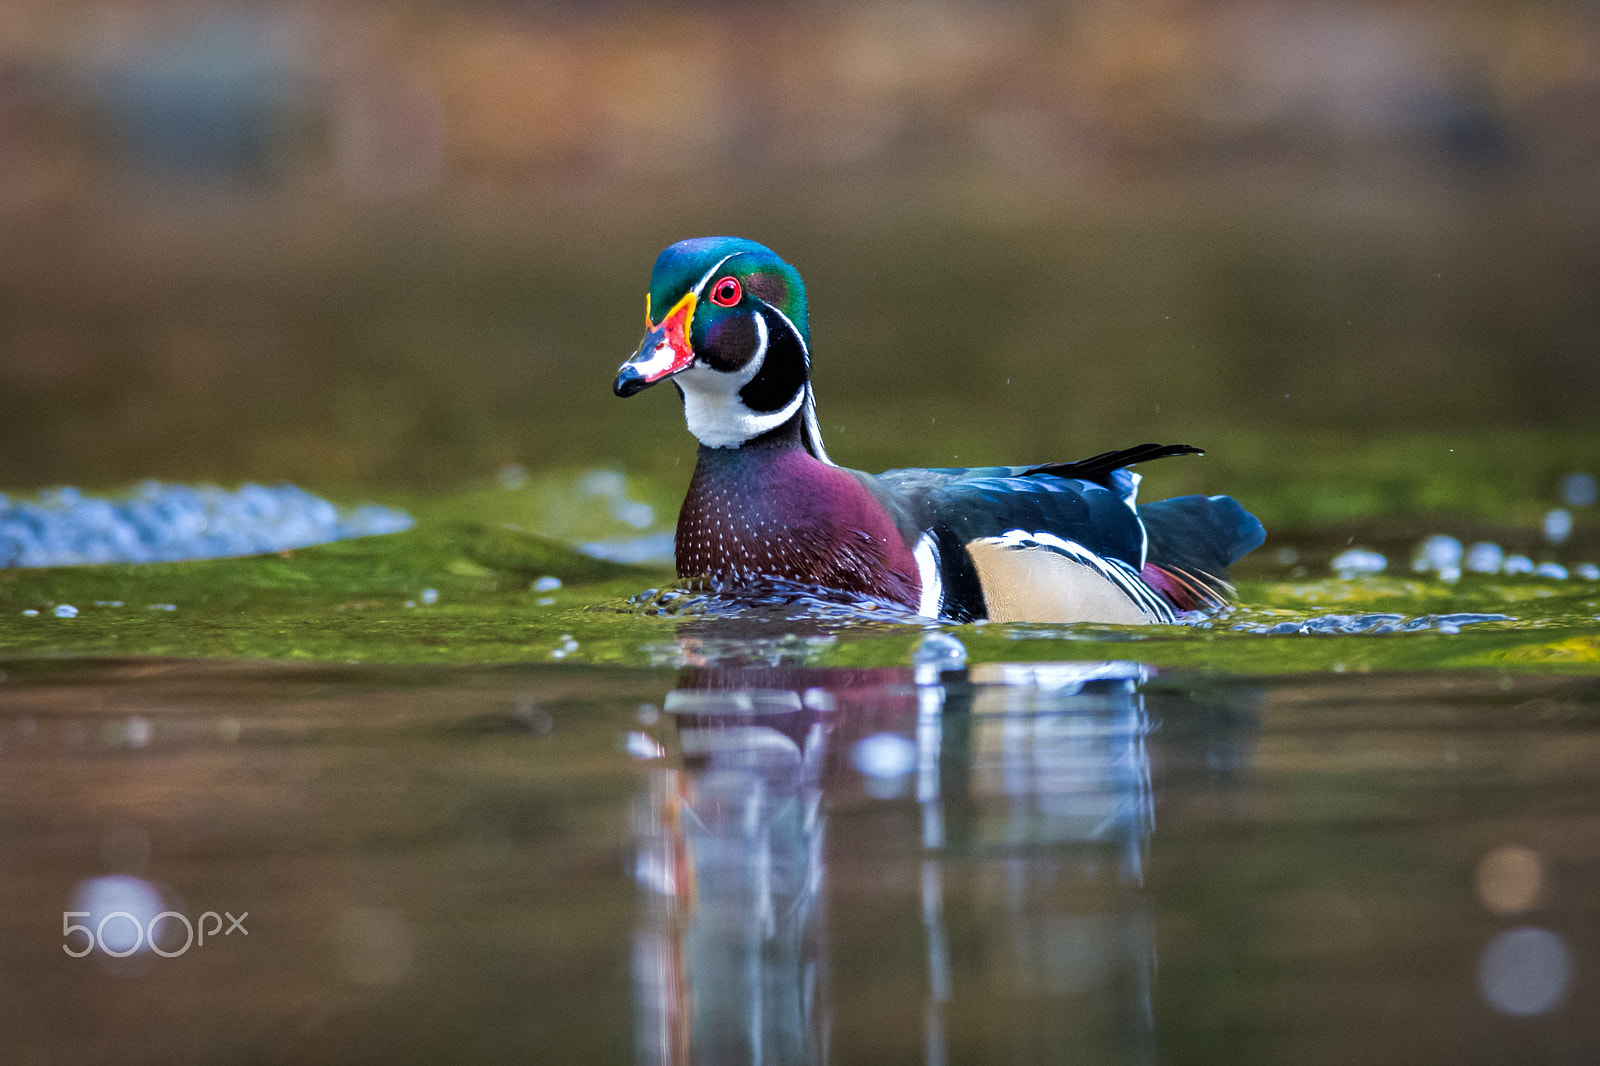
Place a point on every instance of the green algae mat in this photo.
(491, 575)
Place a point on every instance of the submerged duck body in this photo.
(1061, 542)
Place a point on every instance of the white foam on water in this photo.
(167, 523)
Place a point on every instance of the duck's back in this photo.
(1028, 544)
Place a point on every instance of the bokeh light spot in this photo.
(1524, 971)
(1510, 879)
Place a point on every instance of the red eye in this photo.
(726, 292)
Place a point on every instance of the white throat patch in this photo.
(711, 405)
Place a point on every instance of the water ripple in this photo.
(1371, 624)
(771, 599)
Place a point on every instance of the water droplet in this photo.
(1437, 552)
(120, 908)
(642, 746)
(1558, 526)
(608, 483)
(1358, 562)
(513, 476)
(937, 654)
(636, 514)
(819, 700)
(1485, 558)
(886, 756)
(1579, 490)
(1524, 971)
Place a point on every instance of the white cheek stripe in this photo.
(759, 359)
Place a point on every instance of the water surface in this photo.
(1095, 860)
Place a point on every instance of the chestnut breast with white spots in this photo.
(781, 513)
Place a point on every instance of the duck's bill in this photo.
(664, 351)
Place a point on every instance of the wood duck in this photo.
(1059, 542)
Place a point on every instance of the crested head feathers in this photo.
(689, 266)
(726, 320)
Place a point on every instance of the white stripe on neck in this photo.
(716, 414)
(926, 554)
(812, 430)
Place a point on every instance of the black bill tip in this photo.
(629, 381)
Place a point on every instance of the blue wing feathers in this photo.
(1086, 502)
(1088, 514)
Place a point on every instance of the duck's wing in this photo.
(1014, 543)
(1070, 533)
(1091, 501)
(1093, 516)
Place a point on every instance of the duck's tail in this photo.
(1193, 541)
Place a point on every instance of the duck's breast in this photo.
(788, 515)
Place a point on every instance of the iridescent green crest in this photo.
(699, 263)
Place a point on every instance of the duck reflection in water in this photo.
(996, 820)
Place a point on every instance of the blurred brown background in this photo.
(401, 244)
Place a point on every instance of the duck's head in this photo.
(725, 319)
